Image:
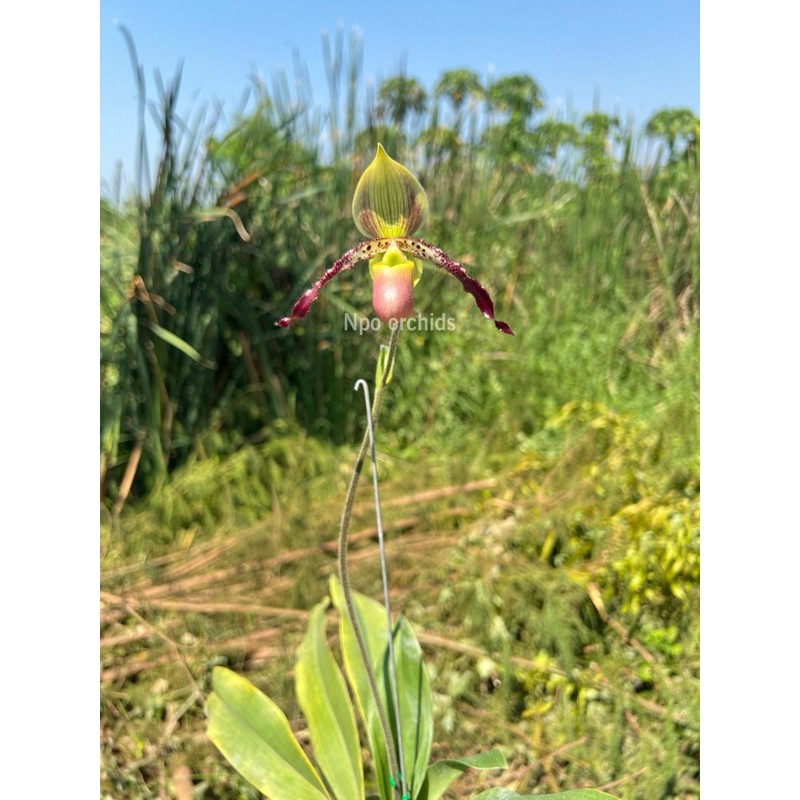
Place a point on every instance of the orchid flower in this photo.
(389, 205)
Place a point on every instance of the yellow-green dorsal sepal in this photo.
(389, 200)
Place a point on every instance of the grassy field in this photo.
(541, 491)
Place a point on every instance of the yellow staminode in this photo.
(395, 257)
(389, 200)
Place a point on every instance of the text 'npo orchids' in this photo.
(389, 205)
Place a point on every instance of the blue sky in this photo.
(637, 57)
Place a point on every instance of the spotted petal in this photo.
(422, 249)
(360, 252)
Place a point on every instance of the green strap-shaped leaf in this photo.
(416, 705)
(573, 794)
(442, 773)
(373, 623)
(416, 715)
(254, 735)
(322, 694)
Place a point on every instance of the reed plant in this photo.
(197, 264)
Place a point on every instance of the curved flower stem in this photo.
(344, 570)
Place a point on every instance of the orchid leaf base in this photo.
(254, 735)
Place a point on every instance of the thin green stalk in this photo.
(344, 571)
(382, 552)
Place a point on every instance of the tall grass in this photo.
(595, 258)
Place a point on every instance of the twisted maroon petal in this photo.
(422, 249)
(347, 261)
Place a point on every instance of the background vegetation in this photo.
(541, 491)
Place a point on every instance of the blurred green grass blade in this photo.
(213, 214)
(326, 706)
(441, 774)
(254, 735)
(380, 367)
(180, 344)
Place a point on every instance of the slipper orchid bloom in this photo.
(389, 205)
